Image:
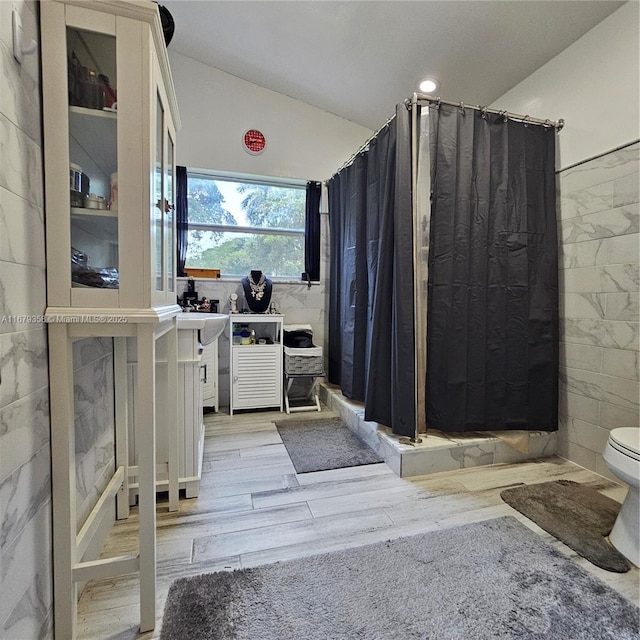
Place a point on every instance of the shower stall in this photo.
(443, 310)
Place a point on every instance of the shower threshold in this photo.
(438, 451)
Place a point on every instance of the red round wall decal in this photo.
(254, 142)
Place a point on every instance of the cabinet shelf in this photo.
(94, 113)
(256, 346)
(95, 132)
(98, 213)
(102, 225)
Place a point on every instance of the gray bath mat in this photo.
(579, 516)
(493, 580)
(324, 443)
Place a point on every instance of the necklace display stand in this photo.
(257, 291)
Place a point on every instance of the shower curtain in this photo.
(492, 323)
(491, 339)
(371, 342)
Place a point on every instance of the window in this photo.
(237, 225)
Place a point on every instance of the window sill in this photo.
(238, 279)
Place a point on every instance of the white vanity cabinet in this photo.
(256, 369)
(190, 428)
(110, 117)
(210, 396)
(190, 424)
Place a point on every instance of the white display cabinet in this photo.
(110, 117)
(110, 166)
(256, 369)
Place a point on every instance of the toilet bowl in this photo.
(622, 455)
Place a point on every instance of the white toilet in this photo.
(622, 455)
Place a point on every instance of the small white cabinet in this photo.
(256, 369)
(210, 397)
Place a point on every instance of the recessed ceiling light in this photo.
(429, 85)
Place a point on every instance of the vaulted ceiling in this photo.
(357, 59)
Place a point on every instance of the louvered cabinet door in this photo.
(256, 380)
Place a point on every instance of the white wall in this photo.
(593, 85)
(303, 143)
(217, 108)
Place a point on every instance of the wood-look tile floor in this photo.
(254, 509)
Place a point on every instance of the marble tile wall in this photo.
(25, 465)
(599, 229)
(299, 304)
(94, 421)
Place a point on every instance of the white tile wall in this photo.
(25, 465)
(599, 223)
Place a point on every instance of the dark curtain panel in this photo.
(182, 217)
(348, 279)
(335, 189)
(492, 354)
(379, 222)
(312, 231)
(403, 379)
(371, 286)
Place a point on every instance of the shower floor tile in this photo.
(438, 451)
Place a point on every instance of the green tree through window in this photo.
(239, 226)
(205, 205)
(274, 207)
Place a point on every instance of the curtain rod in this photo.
(558, 124)
(423, 97)
(362, 148)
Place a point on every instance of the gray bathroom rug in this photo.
(578, 515)
(492, 580)
(323, 443)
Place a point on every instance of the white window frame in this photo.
(248, 179)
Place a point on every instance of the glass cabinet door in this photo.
(93, 159)
(158, 205)
(170, 220)
(163, 208)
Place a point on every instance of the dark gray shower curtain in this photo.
(492, 343)
(371, 342)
